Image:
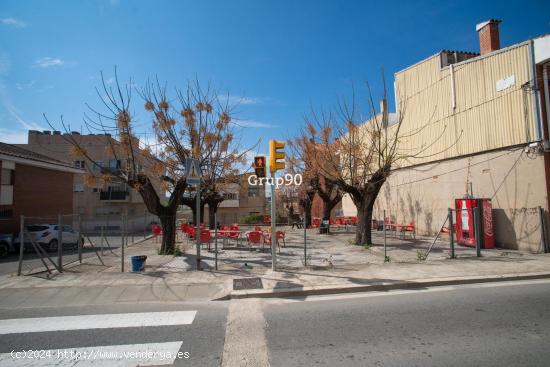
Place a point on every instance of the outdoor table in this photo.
(223, 233)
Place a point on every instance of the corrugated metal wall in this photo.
(483, 119)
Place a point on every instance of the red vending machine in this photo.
(465, 233)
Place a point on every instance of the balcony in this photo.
(114, 195)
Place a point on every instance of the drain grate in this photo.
(247, 283)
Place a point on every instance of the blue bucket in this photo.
(138, 263)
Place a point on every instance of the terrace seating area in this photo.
(258, 237)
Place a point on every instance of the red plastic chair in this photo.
(267, 239)
(192, 232)
(157, 230)
(206, 237)
(315, 223)
(254, 237)
(281, 236)
(233, 234)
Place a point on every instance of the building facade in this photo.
(100, 205)
(241, 200)
(35, 186)
(474, 125)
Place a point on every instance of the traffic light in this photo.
(275, 154)
(259, 166)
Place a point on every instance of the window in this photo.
(78, 187)
(114, 164)
(253, 192)
(8, 177)
(79, 164)
(230, 196)
(98, 165)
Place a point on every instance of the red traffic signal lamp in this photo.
(259, 166)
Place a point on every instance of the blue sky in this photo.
(278, 58)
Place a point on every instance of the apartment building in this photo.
(33, 185)
(241, 199)
(481, 122)
(100, 205)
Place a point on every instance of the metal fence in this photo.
(45, 248)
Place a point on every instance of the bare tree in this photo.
(196, 125)
(318, 183)
(358, 154)
(353, 153)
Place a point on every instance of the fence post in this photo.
(384, 213)
(216, 240)
(123, 226)
(80, 238)
(21, 243)
(305, 241)
(477, 231)
(60, 243)
(451, 233)
(102, 254)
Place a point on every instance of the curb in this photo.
(378, 286)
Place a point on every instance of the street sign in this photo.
(192, 171)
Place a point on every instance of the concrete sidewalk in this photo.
(349, 269)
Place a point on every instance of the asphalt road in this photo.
(492, 324)
(202, 339)
(498, 324)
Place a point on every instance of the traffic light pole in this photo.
(273, 225)
(198, 227)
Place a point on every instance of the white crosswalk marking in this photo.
(84, 322)
(130, 355)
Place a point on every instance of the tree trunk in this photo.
(363, 236)
(365, 205)
(212, 210)
(326, 213)
(168, 223)
(166, 214)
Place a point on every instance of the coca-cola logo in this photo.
(487, 218)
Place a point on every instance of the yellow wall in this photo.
(483, 119)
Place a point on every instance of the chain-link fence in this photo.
(45, 244)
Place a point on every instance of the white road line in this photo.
(107, 321)
(130, 355)
(245, 342)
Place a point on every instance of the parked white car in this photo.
(46, 236)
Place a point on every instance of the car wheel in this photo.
(3, 249)
(52, 246)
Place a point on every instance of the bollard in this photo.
(477, 232)
(451, 233)
(543, 232)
